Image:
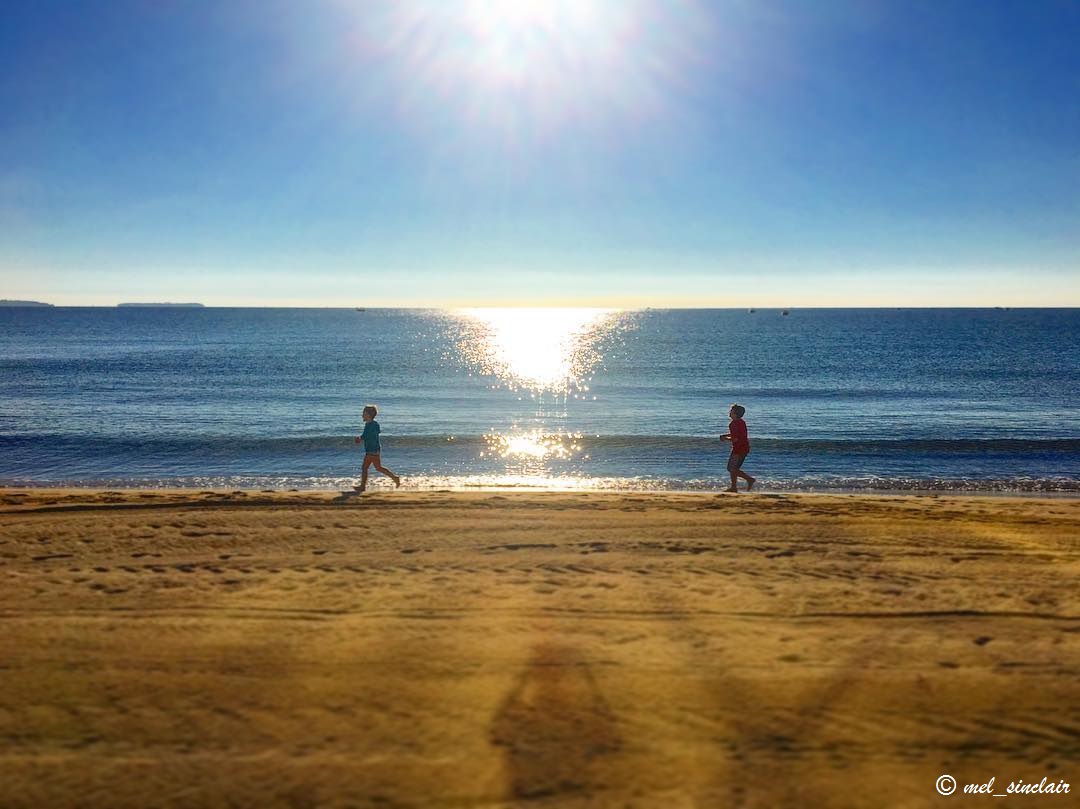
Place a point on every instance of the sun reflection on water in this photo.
(533, 445)
(540, 350)
(547, 357)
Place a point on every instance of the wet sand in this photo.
(534, 649)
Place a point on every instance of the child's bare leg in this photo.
(364, 474)
(389, 474)
(750, 480)
(734, 481)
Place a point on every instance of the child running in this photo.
(372, 448)
(740, 448)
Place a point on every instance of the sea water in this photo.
(938, 399)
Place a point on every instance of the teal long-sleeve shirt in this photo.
(370, 436)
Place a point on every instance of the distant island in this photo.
(6, 302)
(170, 305)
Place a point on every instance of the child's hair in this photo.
(738, 410)
(371, 410)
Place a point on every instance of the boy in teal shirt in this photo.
(372, 448)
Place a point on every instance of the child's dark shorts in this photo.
(735, 460)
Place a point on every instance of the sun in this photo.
(520, 67)
(512, 16)
(535, 41)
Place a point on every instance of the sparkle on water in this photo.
(547, 355)
(540, 350)
(533, 445)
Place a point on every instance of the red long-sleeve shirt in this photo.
(740, 441)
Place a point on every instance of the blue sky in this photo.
(599, 152)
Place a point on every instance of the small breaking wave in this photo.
(429, 482)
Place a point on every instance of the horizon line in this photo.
(36, 304)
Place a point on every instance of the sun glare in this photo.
(547, 356)
(529, 39)
(533, 445)
(498, 16)
(530, 67)
(536, 349)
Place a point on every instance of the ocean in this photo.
(860, 399)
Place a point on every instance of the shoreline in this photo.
(376, 488)
(533, 649)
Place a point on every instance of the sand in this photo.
(534, 649)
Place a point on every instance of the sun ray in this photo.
(529, 68)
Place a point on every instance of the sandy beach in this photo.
(165, 648)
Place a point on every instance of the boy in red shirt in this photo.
(740, 448)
